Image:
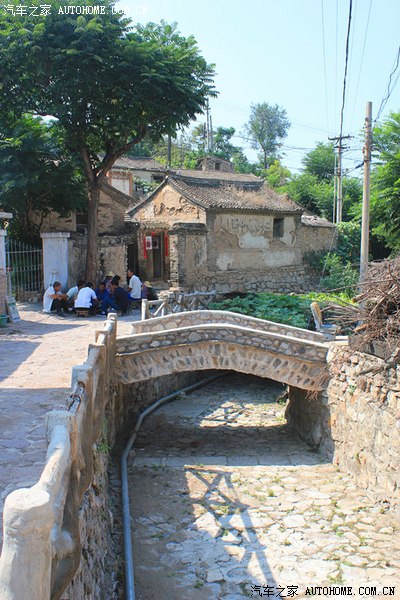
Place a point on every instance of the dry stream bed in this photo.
(228, 504)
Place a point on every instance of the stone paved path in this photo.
(228, 504)
(36, 357)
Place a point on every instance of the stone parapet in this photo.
(42, 543)
(198, 317)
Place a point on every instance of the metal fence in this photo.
(24, 269)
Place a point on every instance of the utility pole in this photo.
(338, 200)
(208, 127)
(169, 151)
(366, 193)
(211, 136)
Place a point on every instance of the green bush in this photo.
(337, 273)
(289, 309)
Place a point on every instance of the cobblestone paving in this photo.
(228, 504)
(36, 358)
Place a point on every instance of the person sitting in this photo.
(86, 298)
(116, 279)
(107, 279)
(73, 292)
(134, 287)
(101, 291)
(118, 299)
(148, 291)
(54, 300)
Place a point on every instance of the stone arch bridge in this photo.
(203, 340)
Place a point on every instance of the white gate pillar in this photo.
(3, 234)
(55, 257)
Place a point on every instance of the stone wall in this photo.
(101, 559)
(356, 421)
(240, 241)
(283, 280)
(112, 208)
(188, 256)
(193, 262)
(317, 238)
(112, 256)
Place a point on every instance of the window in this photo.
(81, 221)
(278, 228)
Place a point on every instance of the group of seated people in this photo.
(109, 295)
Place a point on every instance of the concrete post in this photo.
(25, 564)
(3, 234)
(55, 258)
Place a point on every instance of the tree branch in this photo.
(110, 158)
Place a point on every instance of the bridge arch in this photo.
(215, 340)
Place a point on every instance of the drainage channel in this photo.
(126, 515)
(229, 504)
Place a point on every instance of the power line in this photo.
(336, 52)
(324, 57)
(362, 61)
(389, 91)
(345, 68)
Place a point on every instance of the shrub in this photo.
(289, 309)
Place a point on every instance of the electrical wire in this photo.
(362, 62)
(324, 57)
(345, 68)
(336, 52)
(389, 91)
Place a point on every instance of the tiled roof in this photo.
(228, 193)
(141, 163)
(311, 220)
(116, 194)
(208, 177)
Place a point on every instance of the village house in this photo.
(215, 229)
(128, 174)
(199, 229)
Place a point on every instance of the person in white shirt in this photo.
(73, 292)
(86, 297)
(54, 300)
(134, 286)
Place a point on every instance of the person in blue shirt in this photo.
(102, 291)
(118, 299)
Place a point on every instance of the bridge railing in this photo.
(163, 308)
(205, 317)
(41, 545)
(193, 301)
(177, 303)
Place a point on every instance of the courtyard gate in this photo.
(24, 269)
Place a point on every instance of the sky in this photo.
(293, 53)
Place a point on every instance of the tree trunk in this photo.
(92, 254)
(265, 159)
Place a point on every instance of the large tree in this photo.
(37, 175)
(109, 84)
(385, 178)
(267, 126)
(321, 162)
